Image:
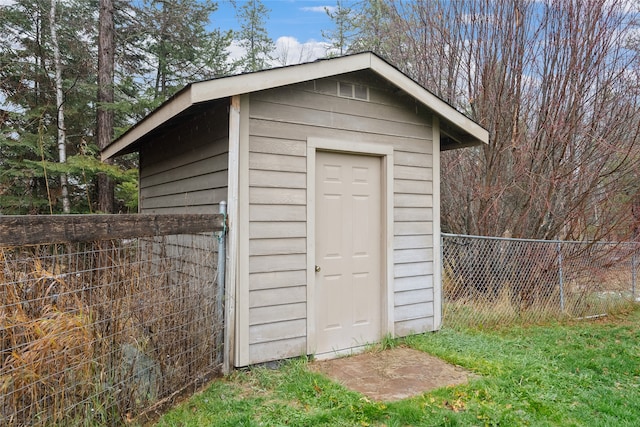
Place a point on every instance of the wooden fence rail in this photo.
(106, 317)
(41, 229)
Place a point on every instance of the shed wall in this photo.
(281, 120)
(185, 169)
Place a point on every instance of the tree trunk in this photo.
(62, 133)
(104, 131)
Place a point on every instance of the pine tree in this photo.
(33, 74)
(33, 80)
(177, 45)
(254, 37)
(105, 114)
(340, 37)
(365, 26)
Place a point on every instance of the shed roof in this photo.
(457, 129)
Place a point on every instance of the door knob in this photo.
(317, 269)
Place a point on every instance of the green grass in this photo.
(580, 374)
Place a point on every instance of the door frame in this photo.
(385, 152)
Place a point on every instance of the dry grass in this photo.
(582, 298)
(488, 282)
(94, 334)
(44, 349)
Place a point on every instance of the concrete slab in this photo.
(393, 374)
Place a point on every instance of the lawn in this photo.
(577, 374)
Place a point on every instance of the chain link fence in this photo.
(96, 333)
(491, 281)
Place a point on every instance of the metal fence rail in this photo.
(490, 281)
(93, 333)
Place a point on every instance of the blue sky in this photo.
(295, 26)
(302, 19)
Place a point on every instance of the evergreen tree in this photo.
(166, 39)
(104, 118)
(340, 37)
(374, 30)
(30, 179)
(367, 25)
(177, 45)
(253, 36)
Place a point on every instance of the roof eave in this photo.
(277, 77)
(210, 90)
(475, 134)
(239, 84)
(174, 106)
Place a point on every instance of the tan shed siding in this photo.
(185, 169)
(281, 122)
(413, 242)
(277, 247)
(278, 279)
(413, 236)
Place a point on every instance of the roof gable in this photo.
(455, 125)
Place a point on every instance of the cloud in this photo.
(235, 51)
(318, 9)
(290, 51)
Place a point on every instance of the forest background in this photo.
(555, 82)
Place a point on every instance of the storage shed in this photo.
(331, 171)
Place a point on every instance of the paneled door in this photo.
(348, 248)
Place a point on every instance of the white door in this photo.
(348, 278)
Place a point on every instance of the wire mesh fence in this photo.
(495, 281)
(94, 333)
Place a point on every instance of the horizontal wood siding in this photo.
(277, 247)
(185, 169)
(281, 122)
(413, 241)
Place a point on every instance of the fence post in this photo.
(634, 266)
(442, 295)
(222, 257)
(560, 278)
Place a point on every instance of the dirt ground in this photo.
(393, 374)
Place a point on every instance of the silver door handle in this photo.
(317, 269)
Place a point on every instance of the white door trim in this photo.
(364, 148)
